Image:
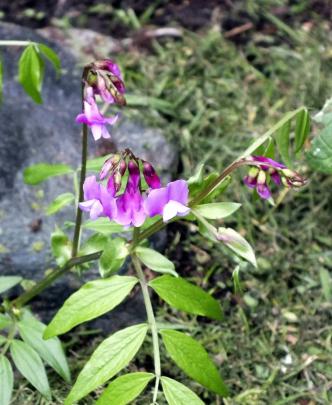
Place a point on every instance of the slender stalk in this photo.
(14, 43)
(151, 319)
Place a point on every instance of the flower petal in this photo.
(178, 191)
(174, 208)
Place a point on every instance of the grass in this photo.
(212, 98)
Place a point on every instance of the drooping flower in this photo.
(150, 175)
(99, 201)
(94, 119)
(130, 207)
(169, 201)
(257, 176)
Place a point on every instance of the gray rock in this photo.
(31, 134)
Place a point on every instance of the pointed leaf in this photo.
(61, 247)
(237, 243)
(51, 56)
(302, 128)
(104, 225)
(111, 356)
(8, 282)
(60, 202)
(30, 366)
(113, 256)
(193, 359)
(6, 381)
(95, 243)
(186, 297)
(31, 72)
(178, 394)
(282, 140)
(90, 301)
(35, 174)
(125, 389)
(5, 321)
(155, 260)
(31, 331)
(320, 155)
(217, 210)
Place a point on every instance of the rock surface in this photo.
(33, 133)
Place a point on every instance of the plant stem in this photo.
(151, 318)
(11, 335)
(14, 43)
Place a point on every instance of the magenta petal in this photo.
(91, 188)
(178, 191)
(263, 191)
(96, 210)
(270, 161)
(276, 178)
(250, 182)
(155, 201)
(86, 205)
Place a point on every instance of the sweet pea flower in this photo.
(130, 207)
(94, 119)
(169, 201)
(99, 201)
(150, 175)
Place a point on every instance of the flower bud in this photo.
(117, 181)
(261, 178)
(109, 165)
(151, 176)
(122, 167)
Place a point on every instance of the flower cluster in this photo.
(129, 204)
(102, 78)
(263, 168)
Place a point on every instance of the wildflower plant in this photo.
(122, 199)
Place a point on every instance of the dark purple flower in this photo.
(168, 201)
(150, 175)
(130, 208)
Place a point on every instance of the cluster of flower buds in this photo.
(132, 204)
(101, 78)
(263, 168)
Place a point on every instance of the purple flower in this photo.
(168, 201)
(94, 119)
(130, 207)
(98, 200)
(150, 175)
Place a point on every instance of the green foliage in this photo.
(31, 331)
(320, 155)
(125, 389)
(193, 359)
(90, 301)
(103, 225)
(5, 321)
(178, 394)
(31, 69)
(155, 260)
(95, 243)
(110, 357)
(6, 380)
(60, 202)
(39, 172)
(61, 247)
(113, 256)
(217, 210)
(29, 364)
(185, 296)
(8, 282)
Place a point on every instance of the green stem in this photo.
(151, 318)
(9, 339)
(14, 43)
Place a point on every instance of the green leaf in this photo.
(217, 210)
(90, 301)
(185, 296)
(95, 243)
(196, 187)
(31, 331)
(60, 202)
(5, 321)
(237, 243)
(113, 256)
(197, 177)
(282, 141)
(111, 356)
(31, 72)
(178, 394)
(155, 260)
(8, 282)
(236, 280)
(35, 174)
(326, 283)
(193, 359)
(125, 389)
(302, 128)
(61, 247)
(6, 381)
(29, 364)
(319, 156)
(324, 116)
(104, 225)
(51, 56)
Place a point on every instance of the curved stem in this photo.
(151, 319)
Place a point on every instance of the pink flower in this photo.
(169, 201)
(94, 119)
